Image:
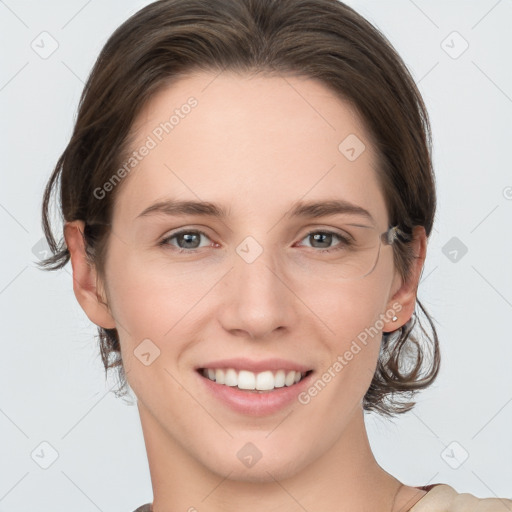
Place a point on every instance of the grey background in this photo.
(52, 381)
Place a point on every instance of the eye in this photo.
(187, 240)
(325, 238)
(190, 240)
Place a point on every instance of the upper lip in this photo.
(252, 365)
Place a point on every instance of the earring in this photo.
(395, 318)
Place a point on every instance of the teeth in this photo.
(279, 378)
(219, 376)
(244, 379)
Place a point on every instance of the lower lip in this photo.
(256, 404)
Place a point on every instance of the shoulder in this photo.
(444, 498)
(144, 508)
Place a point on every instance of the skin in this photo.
(254, 145)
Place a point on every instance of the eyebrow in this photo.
(302, 209)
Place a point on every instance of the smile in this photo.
(246, 380)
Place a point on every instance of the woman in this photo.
(248, 194)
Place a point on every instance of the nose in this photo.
(257, 299)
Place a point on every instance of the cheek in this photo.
(155, 306)
(340, 385)
(352, 312)
(346, 309)
(149, 296)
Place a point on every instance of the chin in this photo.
(251, 465)
(262, 474)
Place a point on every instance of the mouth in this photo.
(265, 381)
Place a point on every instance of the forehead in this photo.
(255, 144)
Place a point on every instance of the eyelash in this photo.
(164, 242)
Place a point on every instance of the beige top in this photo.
(444, 498)
(440, 498)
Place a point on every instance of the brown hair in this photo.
(321, 39)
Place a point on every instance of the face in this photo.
(250, 290)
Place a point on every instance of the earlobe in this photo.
(85, 277)
(406, 294)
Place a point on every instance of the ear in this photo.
(403, 293)
(85, 279)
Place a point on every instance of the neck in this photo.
(344, 478)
